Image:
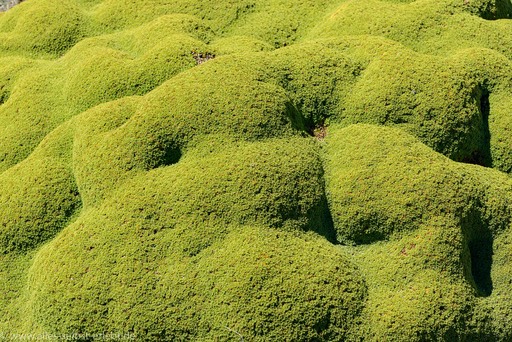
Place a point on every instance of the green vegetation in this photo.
(257, 169)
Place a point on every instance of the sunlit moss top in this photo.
(257, 169)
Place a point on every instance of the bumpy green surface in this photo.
(256, 169)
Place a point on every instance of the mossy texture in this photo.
(256, 170)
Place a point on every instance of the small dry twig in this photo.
(236, 332)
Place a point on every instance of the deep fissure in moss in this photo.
(171, 156)
(496, 9)
(482, 156)
(480, 250)
(485, 109)
(479, 253)
(322, 222)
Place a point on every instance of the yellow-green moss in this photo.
(438, 225)
(256, 169)
(382, 180)
(234, 287)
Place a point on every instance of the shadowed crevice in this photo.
(166, 153)
(478, 254)
(171, 156)
(494, 10)
(482, 156)
(4, 95)
(480, 250)
(296, 117)
(326, 223)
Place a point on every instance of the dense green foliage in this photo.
(257, 169)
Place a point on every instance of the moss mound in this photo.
(257, 170)
(224, 291)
